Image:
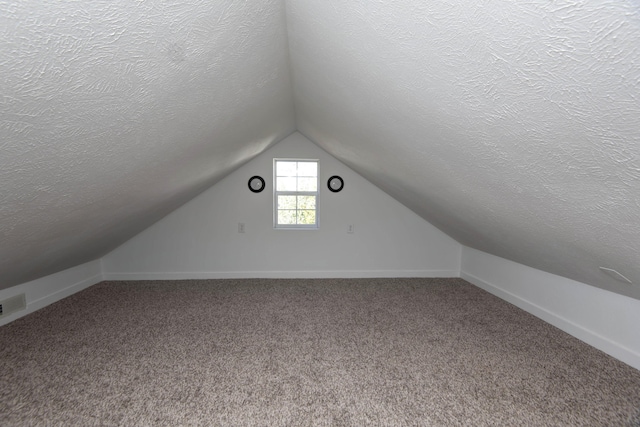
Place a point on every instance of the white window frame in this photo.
(277, 193)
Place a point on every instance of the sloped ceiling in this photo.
(512, 126)
(113, 113)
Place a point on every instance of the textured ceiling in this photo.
(512, 126)
(113, 113)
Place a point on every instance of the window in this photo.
(295, 194)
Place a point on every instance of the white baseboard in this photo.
(590, 337)
(347, 274)
(63, 293)
(47, 290)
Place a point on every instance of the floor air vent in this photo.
(11, 305)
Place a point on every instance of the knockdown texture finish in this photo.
(512, 126)
(113, 113)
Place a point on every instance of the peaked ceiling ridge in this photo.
(510, 127)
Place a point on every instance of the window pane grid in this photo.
(296, 192)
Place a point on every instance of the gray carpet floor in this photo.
(353, 352)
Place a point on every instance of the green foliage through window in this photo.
(296, 193)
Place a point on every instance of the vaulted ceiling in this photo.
(512, 126)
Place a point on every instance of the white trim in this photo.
(63, 293)
(346, 274)
(49, 289)
(592, 338)
(277, 193)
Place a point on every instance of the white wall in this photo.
(201, 239)
(603, 319)
(47, 290)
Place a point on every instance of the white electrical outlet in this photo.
(351, 228)
(241, 227)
